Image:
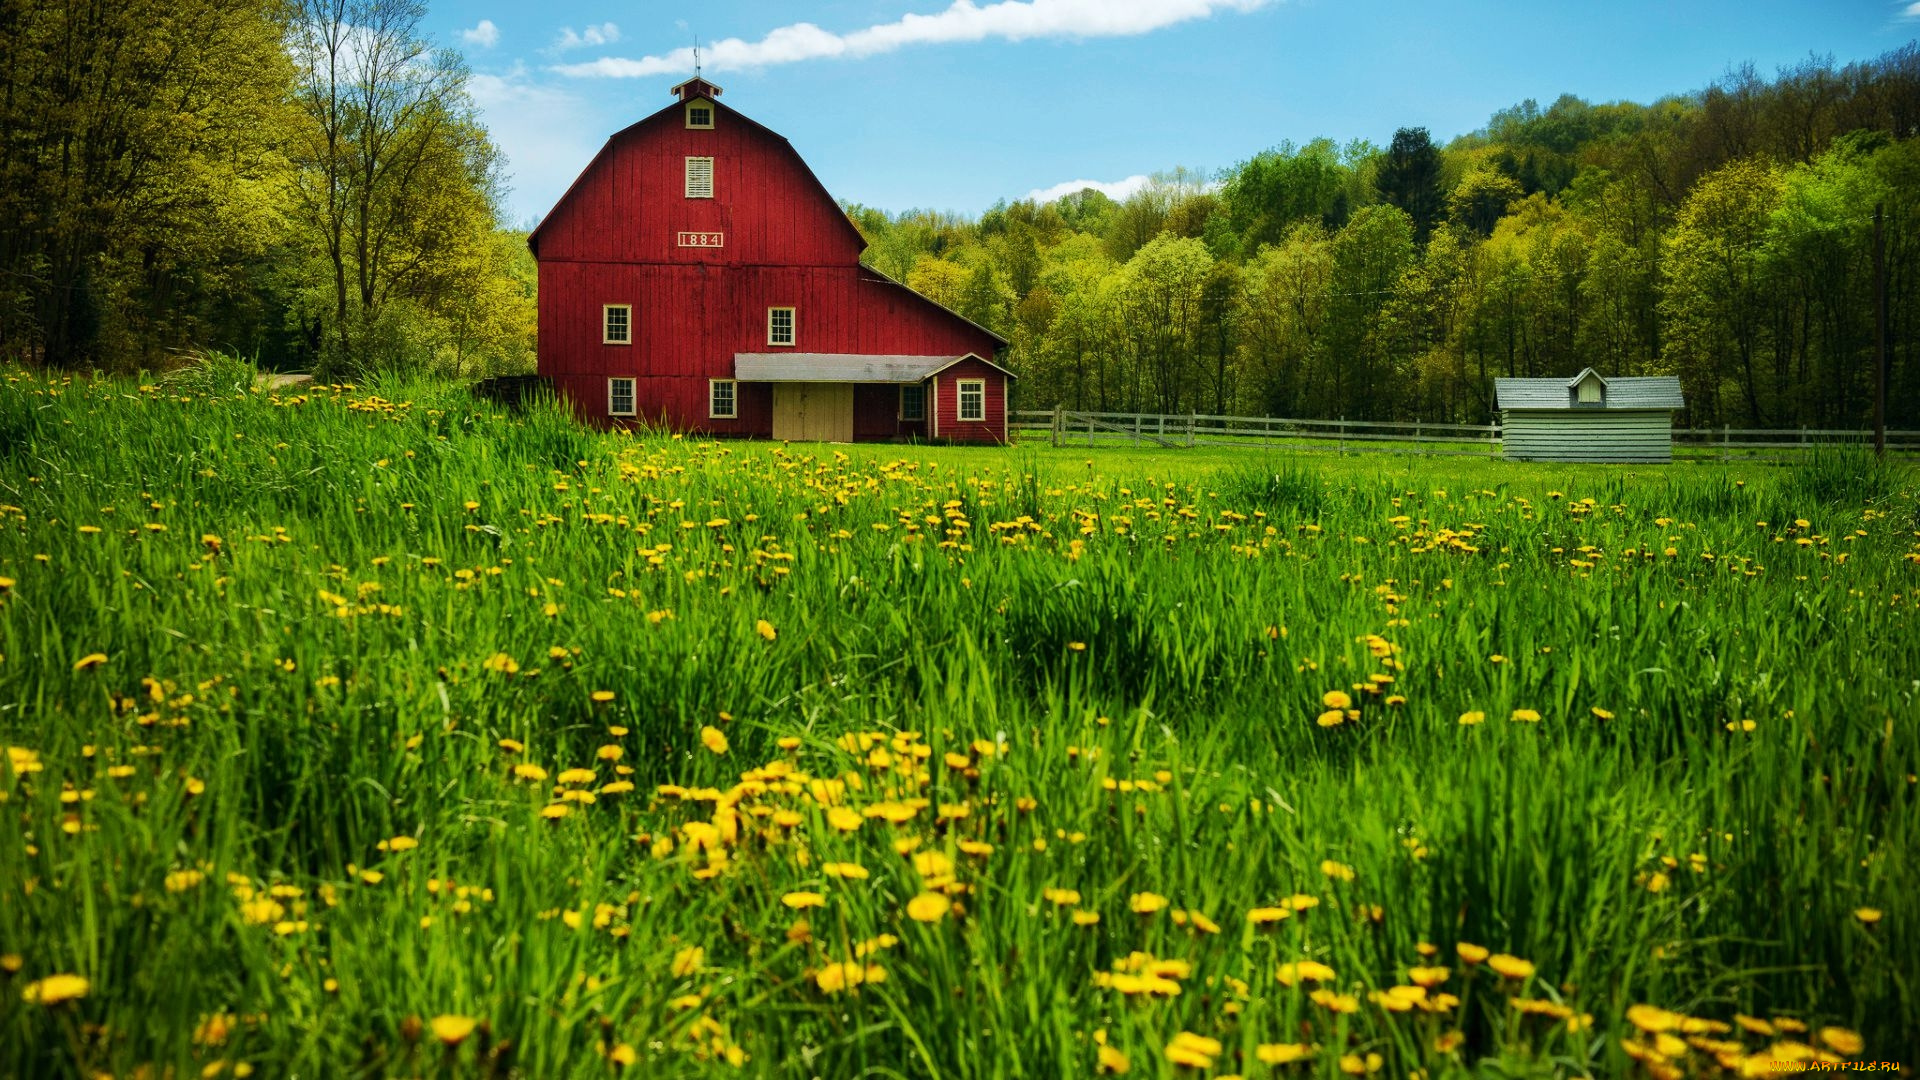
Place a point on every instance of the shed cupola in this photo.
(696, 87)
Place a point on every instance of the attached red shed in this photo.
(698, 276)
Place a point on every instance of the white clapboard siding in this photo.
(1626, 435)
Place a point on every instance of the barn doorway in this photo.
(813, 412)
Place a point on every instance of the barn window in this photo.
(616, 324)
(699, 178)
(1591, 392)
(913, 401)
(973, 399)
(779, 326)
(722, 403)
(620, 397)
(699, 115)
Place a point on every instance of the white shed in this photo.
(1588, 418)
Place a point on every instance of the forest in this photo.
(310, 184)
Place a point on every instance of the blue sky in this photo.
(954, 105)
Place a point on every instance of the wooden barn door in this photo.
(813, 412)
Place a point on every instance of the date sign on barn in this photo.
(703, 239)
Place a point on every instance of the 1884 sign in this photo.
(703, 239)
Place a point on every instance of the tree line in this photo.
(1723, 236)
(303, 181)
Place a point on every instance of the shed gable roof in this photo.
(1622, 392)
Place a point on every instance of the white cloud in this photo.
(592, 37)
(486, 35)
(547, 134)
(1913, 10)
(1010, 20)
(1116, 190)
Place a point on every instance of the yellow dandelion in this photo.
(928, 907)
(452, 1029)
(55, 989)
(1282, 1053)
(1471, 954)
(688, 960)
(765, 629)
(1469, 719)
(1842, 1040)
(800, 901)
(1146, 903)
(1332, 1002)
(94, 659)
(1113, 1062)
(1525, 716)
(844, 819)
(713, 739)
(1600, 713)
(602, 695)
(844, 870)
(1304, 970)
(1331, 718)
(1511, 967)
(1867, 915)
(1336, 699)
(1336, 870)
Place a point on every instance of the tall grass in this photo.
(367, 608)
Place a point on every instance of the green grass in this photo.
(322, 616)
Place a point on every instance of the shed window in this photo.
(722, 402)
(699, 115)
(973, 399)
(699, 178)
(780, 326)
(616, 324)
(913, 401)
(1590, 392)
(620, 397)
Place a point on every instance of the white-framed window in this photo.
(620, 396)
(699, 178)
(700, 114)
(723, 401)
(616, 324)
(780, 326)
(913, 401)
(973, 399)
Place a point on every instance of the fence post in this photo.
(1057, 420)
(1193, 421)
(1089, 431)
(1494, 443)
(1341, 434)
(1139, 422)
(1418, 448)
(1726, 440)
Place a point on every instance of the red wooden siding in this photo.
(613, 239)
(944, 403)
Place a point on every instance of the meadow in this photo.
(368, 731)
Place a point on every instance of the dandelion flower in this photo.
(1086, 918)
(602, 695)
(1525, 716)
(1600, 713)
(1332, 1002)
(1308, 970)
(529, 771)
(55, 989)
(1193, 1051)
(1336, 870)
(1867, 915)
(1471, 954)
(1842, 1040)
(1336, 699)
(688, 960)
(800, 901)
(1469, 719)
(713, 739)
(844, 819)
(765, 629)
(1282, 1053)
(1511, 967)
(1113, 1062)
(94, 659)
(1331, 718)
(1265, 916)
(928, 907)
(844, 870)
(452, 1029)
(1146, 903)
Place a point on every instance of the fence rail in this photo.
(1072, 428)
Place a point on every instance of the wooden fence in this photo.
(1063, 427)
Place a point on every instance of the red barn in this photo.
(697, 275)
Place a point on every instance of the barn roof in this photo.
(882, 278)
(846, 367)
(1639, 392)
(860, 241)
